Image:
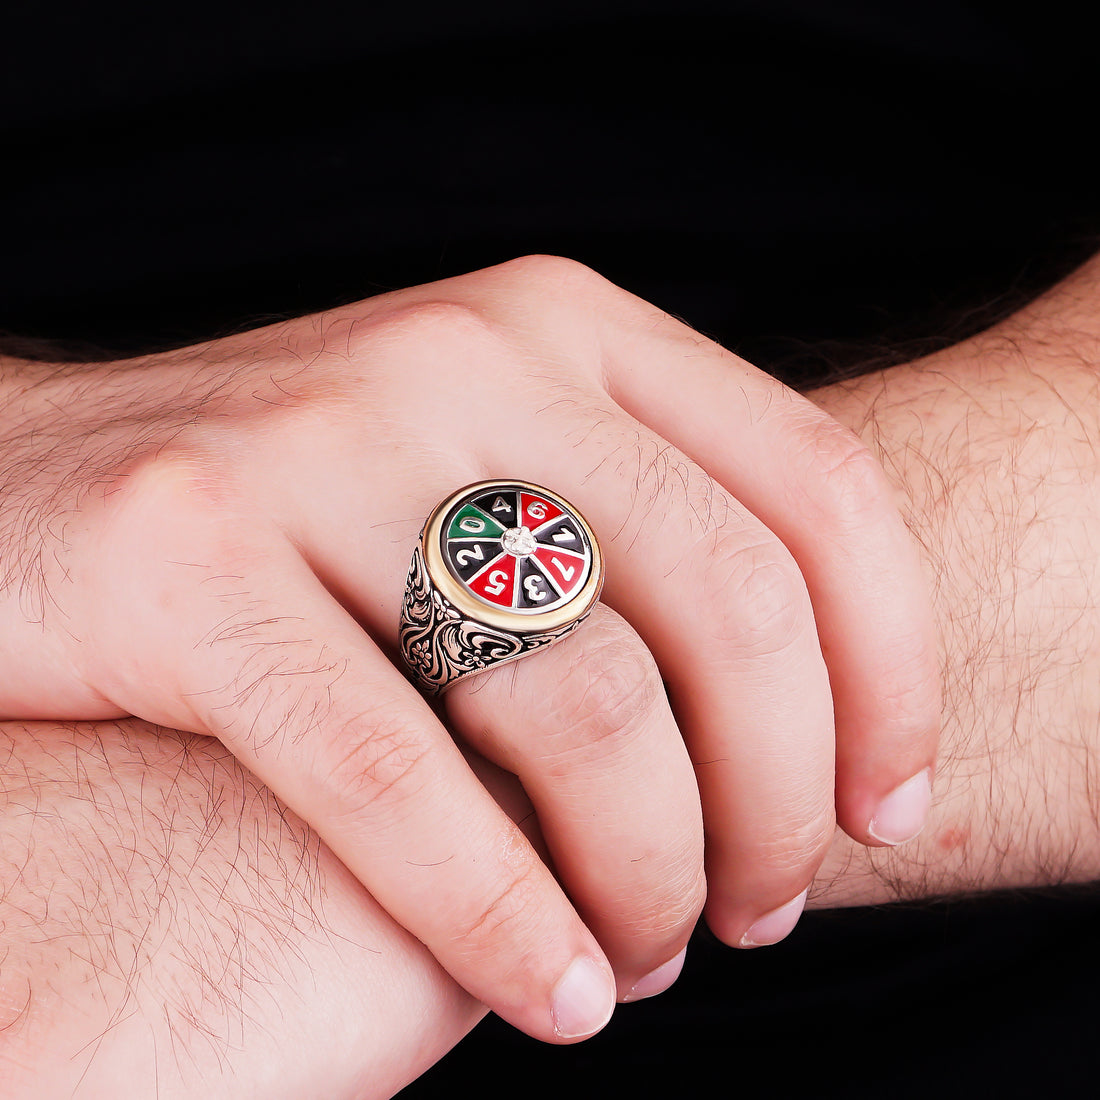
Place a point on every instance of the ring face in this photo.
(515, 548)
(501, 568)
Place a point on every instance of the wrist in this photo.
(992, 445)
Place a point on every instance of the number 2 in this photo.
(464, 557)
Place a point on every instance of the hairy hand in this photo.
(996, 442)
(169, 929)
(217, 540)
(166, 920)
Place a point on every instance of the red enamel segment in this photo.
(566, 570)
(536, 510)
(497, 582)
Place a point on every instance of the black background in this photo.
(812, 183)
(778, 173)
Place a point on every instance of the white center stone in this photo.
(518, 541)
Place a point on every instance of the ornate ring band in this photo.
(501, 569)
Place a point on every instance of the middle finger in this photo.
(723, 608)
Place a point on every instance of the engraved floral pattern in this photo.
(440, 645)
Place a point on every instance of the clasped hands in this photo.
(216, 539)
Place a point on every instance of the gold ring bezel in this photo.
(501, 618)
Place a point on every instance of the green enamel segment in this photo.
(470, 522)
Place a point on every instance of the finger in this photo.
(587, 728)
(722, 607)
(814, 484)
(254, 651)
(810, 481)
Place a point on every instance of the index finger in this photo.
(243, 642)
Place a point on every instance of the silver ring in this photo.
(501, 569)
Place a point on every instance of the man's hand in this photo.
(217, 540)
(996, 443)
(168, 929)
(166, 921)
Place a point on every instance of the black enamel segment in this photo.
(501, 506)
(469, 556)
(535, 590)
(562, 534)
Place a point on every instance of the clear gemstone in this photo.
(518, 541)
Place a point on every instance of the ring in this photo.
(501, 569)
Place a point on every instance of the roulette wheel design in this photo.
(501, 568)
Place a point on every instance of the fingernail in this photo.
(657, 981)
(583, 1000)
(776, 925)
(901, 814)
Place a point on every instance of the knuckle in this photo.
(607, 693)
(910, 700)
(180, 497)
(376, 757)
(666, 912)
(797, 843)
(756, 598)
(849, 489)
(543, 271)
(399, 354)
(168, 483)
(430, 323)
(516, 903)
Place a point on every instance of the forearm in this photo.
(168, 928)
(995, 445)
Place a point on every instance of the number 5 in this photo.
(497, 579)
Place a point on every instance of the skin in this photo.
(997, 444)
(216, 540)
(175, 923)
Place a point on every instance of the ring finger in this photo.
(587, 728)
